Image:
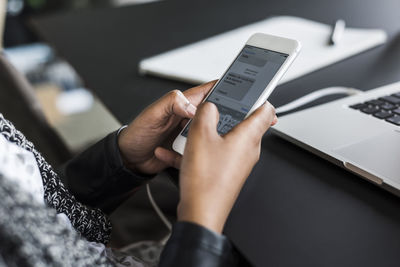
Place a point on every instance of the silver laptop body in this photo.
(364, 143)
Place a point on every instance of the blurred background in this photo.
(17, 30)
(70, 108)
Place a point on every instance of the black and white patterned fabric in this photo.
(33, 235)
(91, 223)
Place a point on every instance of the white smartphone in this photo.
(248, 82)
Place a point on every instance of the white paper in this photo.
(208, 59)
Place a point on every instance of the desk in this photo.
(295, 209)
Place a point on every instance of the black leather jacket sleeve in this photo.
(193, 245)
(98, 178)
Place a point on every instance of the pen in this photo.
(337, 32)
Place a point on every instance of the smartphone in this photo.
(248, 82)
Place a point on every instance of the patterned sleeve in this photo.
(32, 235)
(91, 223)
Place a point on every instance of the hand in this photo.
(141, 143)
(214, 168)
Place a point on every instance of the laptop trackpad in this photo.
(378, 155)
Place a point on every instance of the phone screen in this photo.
(242, 85)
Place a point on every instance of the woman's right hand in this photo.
(214, 168)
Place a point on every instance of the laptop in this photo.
(360, 133)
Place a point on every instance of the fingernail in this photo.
(191, 109)
(187, 102)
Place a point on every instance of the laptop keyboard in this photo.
(385, 108)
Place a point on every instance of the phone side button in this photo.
(363, 173)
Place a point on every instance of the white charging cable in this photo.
(160, 214)
(153, 203)
(316, 95)
(157, 209)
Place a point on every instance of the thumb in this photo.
(174, 103)
(206, 119)
(254, 126)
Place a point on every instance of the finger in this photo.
(169, 157)
(206, 119)
(198, 93)
(176, 103)
(256, 124)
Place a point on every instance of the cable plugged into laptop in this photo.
(359, 133)
(317, 95)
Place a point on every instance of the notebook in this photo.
(208, 59)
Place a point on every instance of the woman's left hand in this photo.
(144, 144)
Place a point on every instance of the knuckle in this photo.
(175, 94)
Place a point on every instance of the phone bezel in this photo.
(274, 43)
